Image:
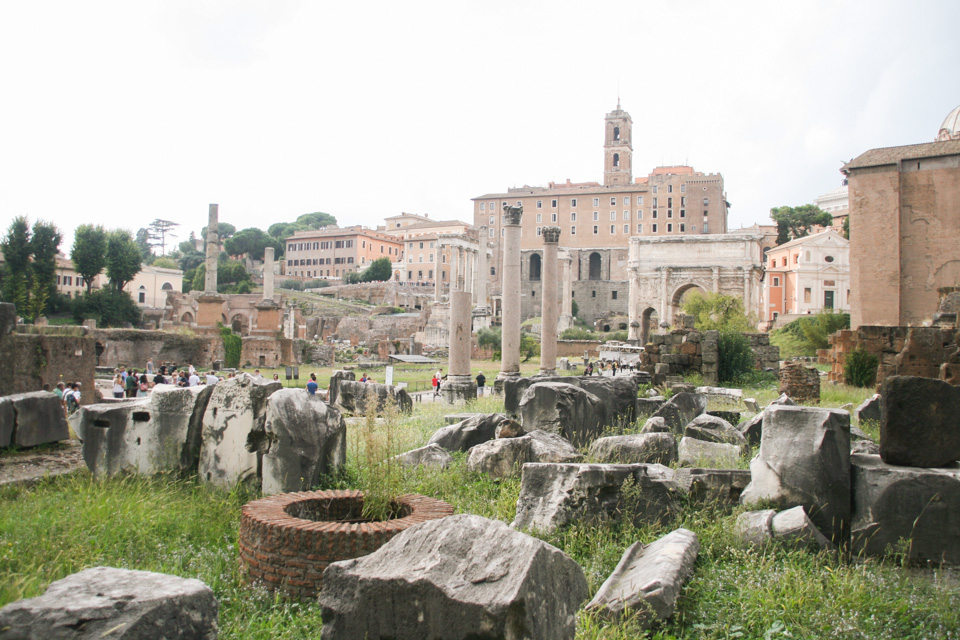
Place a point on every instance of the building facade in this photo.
(807, 275)
(904, 229)
(599, 219)
(421, 261)
(331, 253)
(837, 204)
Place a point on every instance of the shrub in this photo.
(620, 336)
(717, 311)
(574, 308)
(489, 339)
(735, 356)
(577, 333)
(860, 368)
(232, 346)
(109, 307)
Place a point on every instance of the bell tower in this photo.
(617, 148)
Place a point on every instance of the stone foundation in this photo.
(799, 382)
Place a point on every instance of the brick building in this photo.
(904, 229)
(420, 260)
(598, 220)
(333, 252)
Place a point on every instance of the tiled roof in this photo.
(892, 155)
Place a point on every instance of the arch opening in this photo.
(596, 265)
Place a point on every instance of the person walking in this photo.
(481, 381)
(312, 386)
(149, 371)
(118, 386)
(130, 383)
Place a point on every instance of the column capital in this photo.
(551, 235)
(512, 215)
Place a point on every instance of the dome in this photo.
(950, 129)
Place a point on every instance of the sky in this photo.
(119, 113)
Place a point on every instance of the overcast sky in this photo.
(122, 112)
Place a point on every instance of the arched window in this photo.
(535, 266)
(616, 159)
(166, 286)
(142, 295)
(595, 263)
(616, 133)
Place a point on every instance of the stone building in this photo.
(807, 275)
(420, 261)
(333, 252)
(837, 204)
(663, 271)
(148, 288)
(598, 220)
(904, 228)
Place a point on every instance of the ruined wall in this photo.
(33, 360)
(132, 348)
(576, 348)
(684, 351)
(928, 352)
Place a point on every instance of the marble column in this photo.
(510, 336)
(566, 292)
(438, 274)
(213, 250)
(483, 270)
(459, 385)
(268, 274)
(548, 313)
(454, 268)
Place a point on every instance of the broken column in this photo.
(213, 250)
(510, 336)
(459, 385)
(548, 314)
(268, 274)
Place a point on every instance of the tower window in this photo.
(616, 133)
(616, 160)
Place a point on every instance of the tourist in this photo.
(149, 370)
(312, 385)
(481, 380)
(118, 386)
(363, 378)
(194, 379)
(123, 374)
(256, 374)
(276, 377)
(182, 379)
(159, 379)
(130, 383)
(72, 397)
(211, 378)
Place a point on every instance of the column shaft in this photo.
(213, 250)
(549, 310)
(510, 296)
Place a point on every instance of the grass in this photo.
(60, 526)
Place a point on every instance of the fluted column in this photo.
(437, 273)
(510, 336)
(483, 270)
(548, 313)
(213, 250)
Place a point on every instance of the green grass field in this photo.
(55, 528)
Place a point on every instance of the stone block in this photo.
(712, 486)
(461, 577)
(804, 460)
(39, 419)
(468, 432)
(564, 409)
(793, 528)
(681, 409)
(556, 495)
(645, 447)
(920, 422)
(698, 453)
(755, 527)
(648, 580)
(713, 429)
(892, 504)
(504, 457)
(103, 602)
(431, 455)
(306, 438)
(356, 398)
(8, 422)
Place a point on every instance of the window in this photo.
(640, 200)
(654, 229)
(669, 213)
(481, 206)
(493, 206)
(655, 203)
(491, 221)
(535, 263)
(706, 202)
(616, 160)
(616, 133)
(430, 274)
(683, 228)
(776, 281)
(553, 217)
(613, 215)
(826, 258)
(683, 213)
(596, 215)
(639, 215)
(626, 229)
(613, 202)
(409, 275)
(573, 231)
(431, 258)
(491, 231)
(670, 203)
(796, 258)
(654, 190)
(670, 227)
(613, 229)
(683, 188)
(626, 215)
(705, 214)
(596, 230)
(539, 230)
(655, 213)
(639, 228)
(596, 202)
(807, 293)
(421, 245)
(142, 295)
(67, 280)
(613, 295)
(573, 216)
(683, 201)
(669, 188)
(573, 202)
(553, 203)
(539, 218)
(363, 244)
(539, 204)
(533, 294)
(593, 294)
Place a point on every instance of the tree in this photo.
(160, 229)
(251, 242)
(846, 228)
(109, 307)
(89, 253)
(379, 270)
(796, 222)
(144, 242)
(45, 247)
(717, 311)
(224, 231)
(306, 222)
(17, 267)
(123, 258)
(166, 262)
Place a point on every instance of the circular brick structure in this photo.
(287, 540)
